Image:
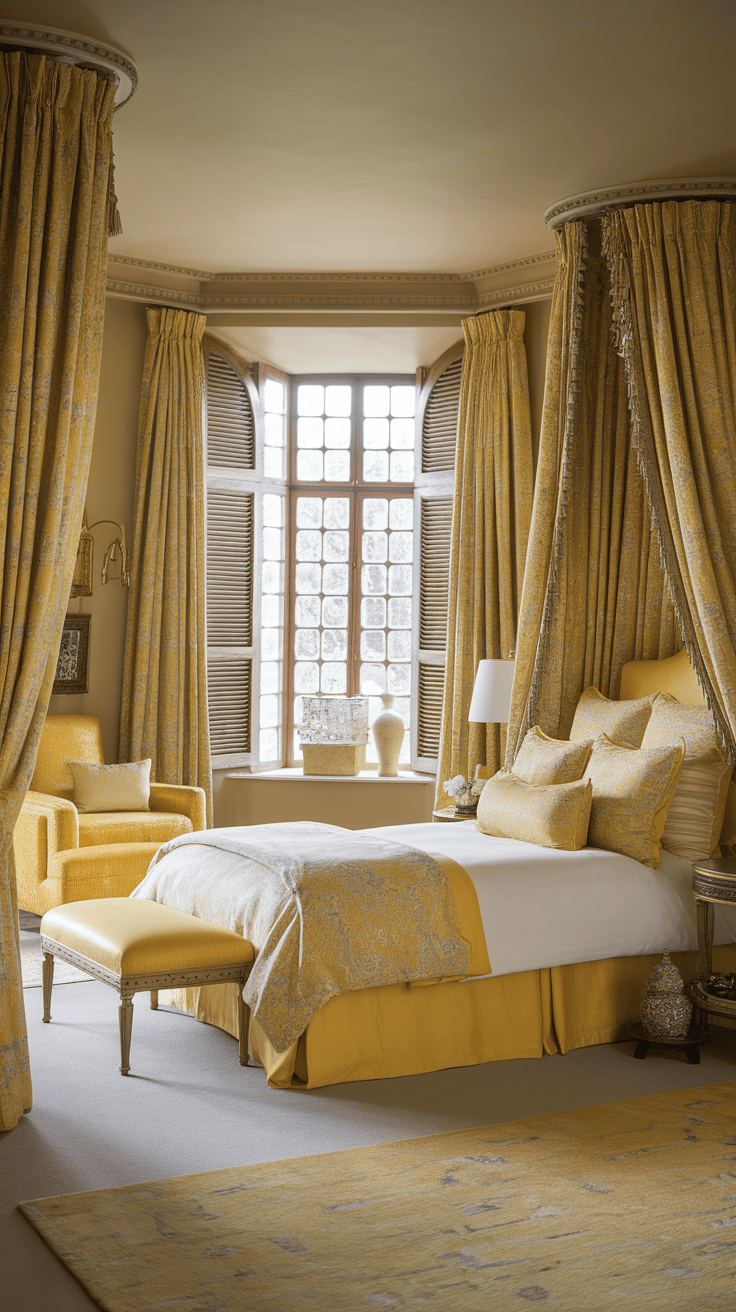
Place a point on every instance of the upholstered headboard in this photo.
(674, 675)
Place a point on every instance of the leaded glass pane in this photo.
(306, 612)
(402, 434)
(273, 430)
(399, 645)
(309, 433)
(373, 580)
(375, 546)
(399, 580)
(334, 677)
(309, 512)
(306, 677)
(373, 679)
(373, 613)
(402, 466)
(337, 512)
(375, 434)
(308, 544)
(399, 613)
(375, 512)
(336, 545)
(376, 400)
(336, 580)
(375, 466)
(373, 645)
(401, 513)
(273, 462)
(334, 645)
(335, 612)
(402, 400)
(306, 645)
(399, 679)
(308, 578)
(337, 433)
(309, 466)
(310, 399)
(338, 399)
(400, 547)
(337, 466)
(274, 396)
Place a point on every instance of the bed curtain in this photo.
(164, 699)
(55, 161)
(494, 480)
(673, 283)
(595, 594)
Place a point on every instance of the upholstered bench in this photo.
(140, 946)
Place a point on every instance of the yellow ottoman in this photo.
(139, 946)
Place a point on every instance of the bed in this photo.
(571, 938)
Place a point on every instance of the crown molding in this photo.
(70, 47)
(587, 203)
(240, 295)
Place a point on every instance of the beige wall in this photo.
(110, 496)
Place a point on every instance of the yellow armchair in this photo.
(62, 855)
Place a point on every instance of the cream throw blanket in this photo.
(328, 911)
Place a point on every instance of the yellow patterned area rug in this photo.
(635, 1200)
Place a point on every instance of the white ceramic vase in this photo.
(388, 735)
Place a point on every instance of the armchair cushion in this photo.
(131, 827)
(123, 787)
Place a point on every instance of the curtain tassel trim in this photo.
(114, 225)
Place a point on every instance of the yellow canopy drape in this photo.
(673, 274)
(494, 478)
(594, 594)
(164, 704)
(55, 152)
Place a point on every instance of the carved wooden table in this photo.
(714, 881)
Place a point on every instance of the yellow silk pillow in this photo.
(543, 760)
(553, 815)
(632, 791)
(111, 787)
(695, 816)
(624, 722)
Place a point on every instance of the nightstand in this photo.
(714, 881)
(447, 815)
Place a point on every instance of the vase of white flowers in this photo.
(466, 793)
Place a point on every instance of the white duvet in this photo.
(541, 907)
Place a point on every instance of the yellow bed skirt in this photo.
(405, 1030)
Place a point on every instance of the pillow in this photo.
(695, 817)
(632, 790)
(111, 787)
(553, 815)
(543, 760)
(624, 722)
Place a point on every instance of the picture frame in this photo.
(72, 669)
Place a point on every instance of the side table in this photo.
(447, 814)
(714, 881)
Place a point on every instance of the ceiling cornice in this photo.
(236, 296)
(588, 203)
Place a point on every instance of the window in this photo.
(352, 524)
(329, 509)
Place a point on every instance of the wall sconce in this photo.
(115, 563)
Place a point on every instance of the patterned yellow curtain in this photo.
(164, 706)
(673, 272)
(594, 594)
(55, 154)
(494, 478)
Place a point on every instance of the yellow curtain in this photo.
(594, 594)
(494, 478)
(55, 158)
(164, 706)
(673, 274)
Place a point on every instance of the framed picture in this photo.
(73, 664)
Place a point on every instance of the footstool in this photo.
(140, 946)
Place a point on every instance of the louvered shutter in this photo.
(231, 436)
(437, 420)
(231, 559)
(439, 425)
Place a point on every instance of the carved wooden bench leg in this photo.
(48, 984)
(125, 1014)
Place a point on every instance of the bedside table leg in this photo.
(705, 937)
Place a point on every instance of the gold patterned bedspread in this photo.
(328, 911)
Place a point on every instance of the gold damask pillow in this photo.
(543, 760)
(695, 817)
(624, 722)
(632, 791)
(99, 788)
(553, 815)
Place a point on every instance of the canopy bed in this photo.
(570, 935)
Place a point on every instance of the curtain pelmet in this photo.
(491, 511)
(164, 707)
(55, 147)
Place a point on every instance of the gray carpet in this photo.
(190, 1106)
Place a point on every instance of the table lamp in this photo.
(491, 700)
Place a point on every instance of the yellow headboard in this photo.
(674, 675)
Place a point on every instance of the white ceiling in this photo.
(397, 135)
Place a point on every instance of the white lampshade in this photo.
(491, 700)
